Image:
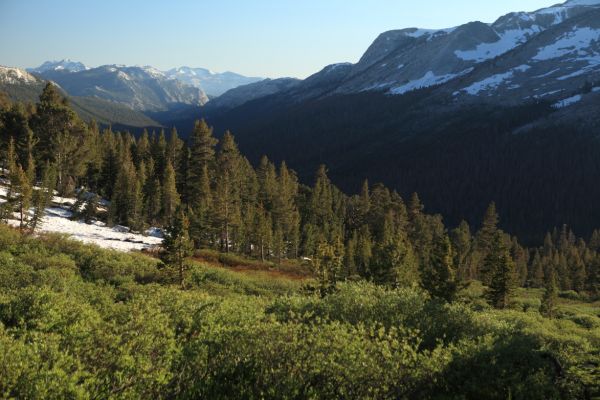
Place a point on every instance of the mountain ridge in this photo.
(20, 85)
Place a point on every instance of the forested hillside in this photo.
(207, 193)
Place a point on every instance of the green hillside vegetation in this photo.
(80, 322)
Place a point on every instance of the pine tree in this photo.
(489, 227)
(364, 251)
(267, 183)
(537, 275)
(438, 276)
(7, 208)
(327, 263)
(227, 194)
(501, 268)
(462, 244)
(593, 281)
(420, 230)
(110, 163)
(594, 243)
(170, 197)
(28, 159)
(350, 269)
(394, 262)
(63, 136)
(175, 148)
(14, 123)
(136, 217)
(485, 240)
(521, 258)
(91, 165)
(364, 203)
(182, 176)
(43, 196)
(159, 152)
(201, 162)
(23, 192)
(126, 204)
(285, 214)
(142, 148)
(90, 210)
(152, 195)
(78, 205)
(177, 244)
(11, 165)
(202, 215)
(262, 231)
(322, 206)
(550, 298)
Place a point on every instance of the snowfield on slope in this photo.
(57, 220)
(493, 82)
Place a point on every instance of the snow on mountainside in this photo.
(212, 83)
(560, 63)
(550, 53)
(139, 88)
(62, 65)
(12, 76)
(409, 59)
(57, 219)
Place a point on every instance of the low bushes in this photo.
(99, 324)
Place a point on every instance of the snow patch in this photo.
(57, 219)
(494, 81)
(508, 40)
(571, 43)
(539, 96)
(572, 75)
(427, 80)
(567, 102)
(430, 33)
(547, 74)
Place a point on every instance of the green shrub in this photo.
(573, 295)
(586, 321)
(92, 323)
(13, 273)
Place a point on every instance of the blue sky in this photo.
(270, 38)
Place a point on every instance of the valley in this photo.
(419, 223)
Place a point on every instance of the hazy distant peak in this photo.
(62, 65)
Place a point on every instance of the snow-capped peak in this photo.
(62, 65)
(155, 73)
(15, 75)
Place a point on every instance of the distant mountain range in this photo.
(213, 84)
(20, 85)
(139, 88)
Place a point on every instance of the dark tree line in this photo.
(207, 194)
